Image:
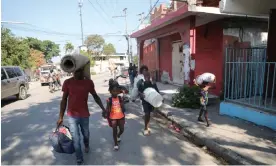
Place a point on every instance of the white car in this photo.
(44, 77)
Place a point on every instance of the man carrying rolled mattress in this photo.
(75, 91)
(204, 84)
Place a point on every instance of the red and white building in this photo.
(234, 39)
(189, 38)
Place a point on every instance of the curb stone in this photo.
(200, 139)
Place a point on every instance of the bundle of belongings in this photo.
(61, 140)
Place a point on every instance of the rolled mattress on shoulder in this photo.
(71, 63)
(205, 77)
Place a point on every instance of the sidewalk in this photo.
(237, 141)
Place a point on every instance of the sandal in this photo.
(116, 147)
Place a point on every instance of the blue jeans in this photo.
(74, 124)
(131, 78)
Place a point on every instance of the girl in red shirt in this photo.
(115, 114)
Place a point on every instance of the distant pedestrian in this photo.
(147, 107)
(115, 113)
(75, 92)
(135, 72)
(130, 73)
(204, 88)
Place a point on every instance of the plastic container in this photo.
(205, 77)
(153, 97)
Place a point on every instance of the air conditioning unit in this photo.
(247, 7)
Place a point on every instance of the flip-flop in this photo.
(171, 126)
(177, 129)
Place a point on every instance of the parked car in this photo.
(13, 82)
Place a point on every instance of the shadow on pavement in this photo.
(10, 100)
(25, 139)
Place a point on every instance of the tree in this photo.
(15, 51)
(109, 49)
(68, 47)
(47, 47)
(36, 58)
(94, 44)
(135, 60)
(51, 49)
(85, 53)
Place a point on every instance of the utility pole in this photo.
(142, 17)
(80, 6)
(129, 44)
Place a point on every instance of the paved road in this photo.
(26, 126)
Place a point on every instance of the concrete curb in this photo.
(199, 138)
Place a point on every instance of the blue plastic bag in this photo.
(62, 141)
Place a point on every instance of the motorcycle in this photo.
(54, 86)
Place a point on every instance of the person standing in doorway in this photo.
(75, 92)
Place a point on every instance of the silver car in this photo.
(13, 82)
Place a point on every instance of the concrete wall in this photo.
(256, 36)
(166, 53)
(209, 52)
(249, 114)
(150, 54)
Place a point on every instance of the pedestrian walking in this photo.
(76, 91)
(130, 73)
(115, 113)
(204, 88)
(147, 107)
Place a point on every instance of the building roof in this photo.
(206, 14)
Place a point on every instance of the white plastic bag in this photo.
(134, 92)
(205, 77)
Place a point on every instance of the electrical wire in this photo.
(61, 34)
(99, 13)
(147, 15)
(102, 9)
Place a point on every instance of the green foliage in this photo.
(93, 73)
(51, 49)
(135, 60)
(187, 97)
(92, 62)
(109, 49)
(47, 47)
(94, 44)
(14, 51)
(68, 47)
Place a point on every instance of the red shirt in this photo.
(78, 91)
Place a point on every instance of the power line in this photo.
(98, 12)
(104, 11)
(63, 34)
(147, 14)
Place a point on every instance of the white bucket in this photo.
(153, 97)
(205, 77)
